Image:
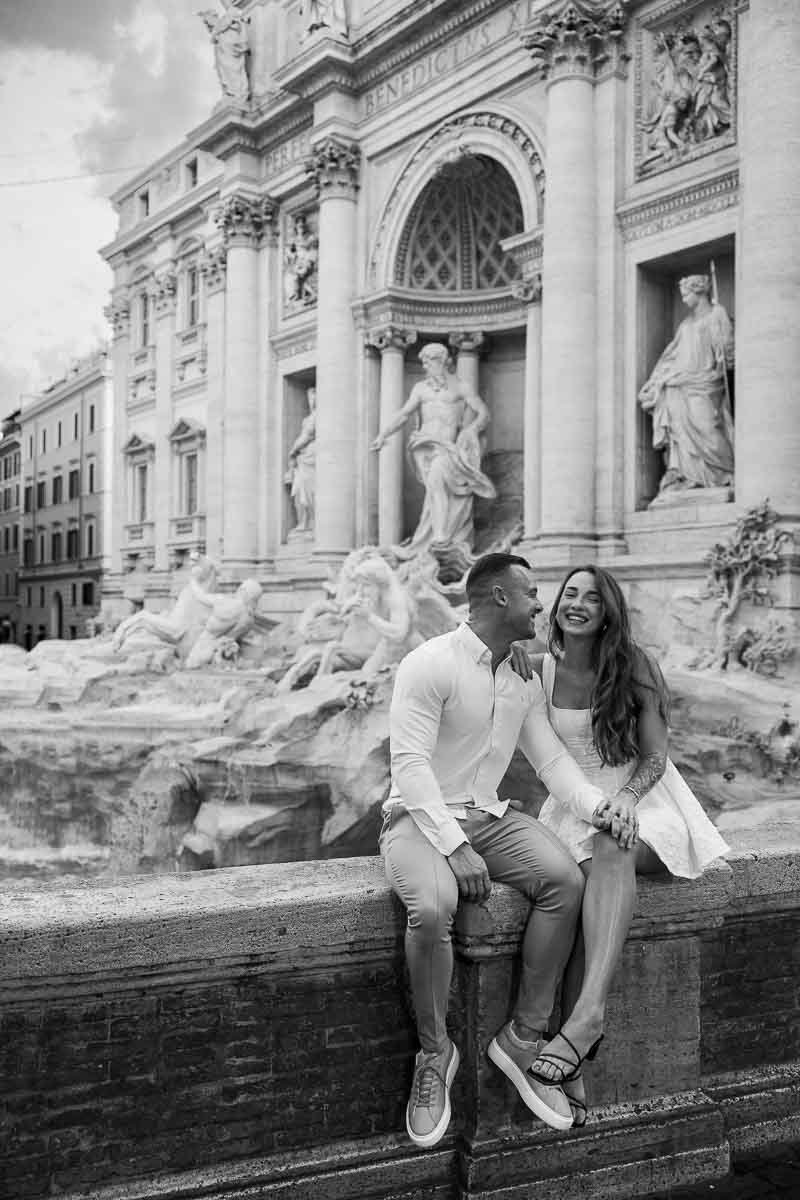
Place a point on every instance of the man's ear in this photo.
(499, 595)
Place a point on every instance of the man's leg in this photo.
(518, 850)
(421, 877)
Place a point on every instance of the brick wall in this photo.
(210, 1034)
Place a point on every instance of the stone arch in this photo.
(491, 133)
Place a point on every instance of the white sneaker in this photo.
(428, 1111)
(515, 1057)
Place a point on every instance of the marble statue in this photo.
(300, 274)
(445, 451)
(301, 474)
(324, 14)
(687, 396)
(228, 31)
(185, 618)
(230, 620)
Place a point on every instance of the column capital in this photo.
(118, 314)
(165, 292)
(529, 289)
(334, 165)
(244, 219)
(213, 267)
(390, 337)
(577, 39)
(467, 343)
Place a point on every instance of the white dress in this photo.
(671, 819)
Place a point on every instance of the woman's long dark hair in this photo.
(621, 668)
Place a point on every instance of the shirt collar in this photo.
(474, 646)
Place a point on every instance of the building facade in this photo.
(10, 474)
(525, 182)
(65, 436)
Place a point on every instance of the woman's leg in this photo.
(608, 904)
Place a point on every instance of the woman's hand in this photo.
(520, 661)
(618, 817)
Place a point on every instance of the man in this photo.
(458, 712)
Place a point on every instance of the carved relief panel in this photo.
(300, 257)
(685, 84)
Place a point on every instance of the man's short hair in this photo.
(489, 570)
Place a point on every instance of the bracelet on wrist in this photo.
(636, 795)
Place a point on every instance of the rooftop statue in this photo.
(324, 14)
(687, 396)
(229, 38)
(445, 451)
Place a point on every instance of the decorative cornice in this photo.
(390, 337)
(413, 310)
(690, 203)
(577, 39)
(243, 219)
(334, 166)
(213, 267)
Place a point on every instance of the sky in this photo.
(90, 91)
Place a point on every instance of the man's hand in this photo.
(520, 662)
(471, 873)
(618, 817)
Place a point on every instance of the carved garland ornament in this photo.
(453, 131)
(165, 292)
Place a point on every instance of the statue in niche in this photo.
(324, 14)
(301, 475)
(300, 275)
(229, 38)
(691, 91)
(445, 451)
(687, 396)
(231, 619)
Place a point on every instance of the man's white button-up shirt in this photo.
(454, 726)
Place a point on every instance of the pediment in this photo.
(187, 428)
(137, 443)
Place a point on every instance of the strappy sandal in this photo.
(572, 1069)
(577, 1106)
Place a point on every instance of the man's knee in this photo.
(432, 915)
(567, 882)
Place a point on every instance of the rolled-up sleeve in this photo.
(420, 691)
(556, 768)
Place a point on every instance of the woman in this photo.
(608, 703)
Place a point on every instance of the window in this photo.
(191, 173)
(41, 597)
(73, 632)
(72, 544)
(87, 594)
(41, 493)
(192, 296)
(27, 559)
(58, 489)
(91, 477)
(190, 484)
(16, 495)
(44, 441)
(74, 594)
(144, 320)
(29, 597)
(28, 497)
(55, 547)
(6, 499)
(30, 446)
(6, 540)
(90, 539)
(74, 483)
(17, 463)
(75, 426)
(15, 537)
(144, 204)
(58, 434)
(41, 550)
(91, 418)
(141, 492)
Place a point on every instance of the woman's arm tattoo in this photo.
(649, 770)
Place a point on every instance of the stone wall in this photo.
(245, 1033)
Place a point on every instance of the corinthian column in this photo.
(767, 346)
(163, 298)
(334, 164)
(243, 221)
(392, 343)
(567, 40)
(118, 313)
